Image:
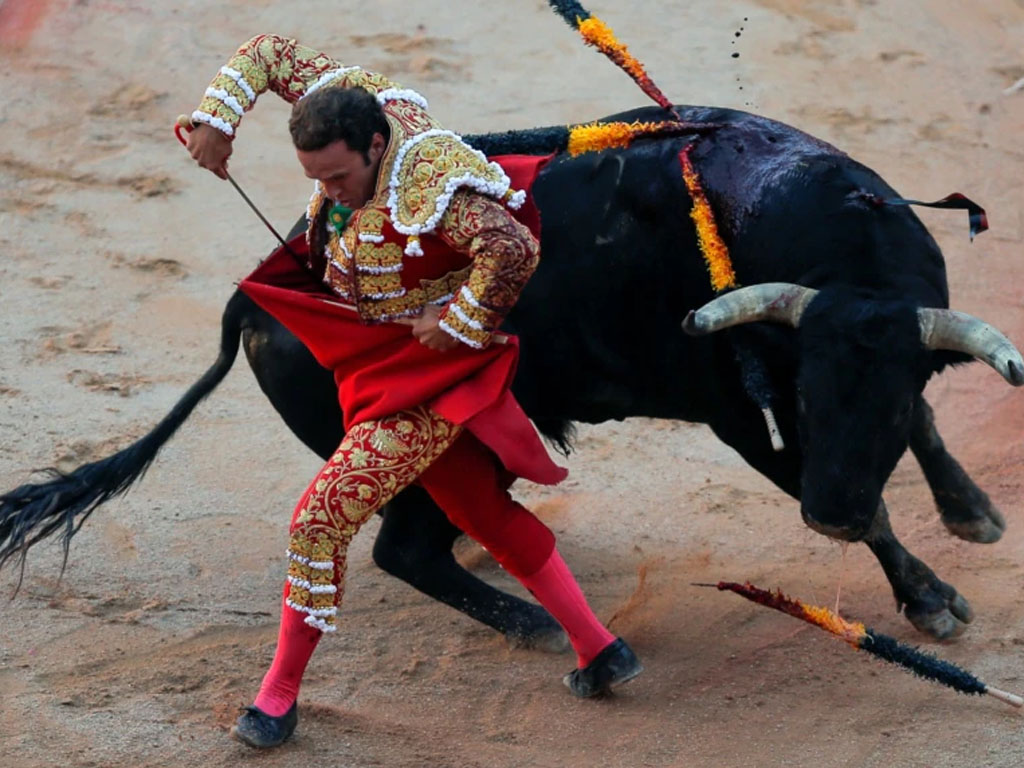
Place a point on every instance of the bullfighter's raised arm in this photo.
(278, 64)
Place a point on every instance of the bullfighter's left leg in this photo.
(469, 484)
(414, 543)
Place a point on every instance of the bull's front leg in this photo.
(415, 544)
(965, 509)
(930, 604)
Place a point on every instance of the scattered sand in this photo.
(118, 256)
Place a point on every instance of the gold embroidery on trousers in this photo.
(375, 461)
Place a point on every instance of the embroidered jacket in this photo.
(436, 198)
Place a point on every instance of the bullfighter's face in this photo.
(349, 177)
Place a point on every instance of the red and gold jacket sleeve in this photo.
(278, 64)
(504, 252)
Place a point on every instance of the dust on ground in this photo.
(118, 256)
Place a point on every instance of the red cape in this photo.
(381, 369)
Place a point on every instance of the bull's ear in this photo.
(770, 302)
(959, 332)
(945, 357)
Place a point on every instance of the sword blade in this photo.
(256, 210)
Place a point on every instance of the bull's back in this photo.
(621, 266)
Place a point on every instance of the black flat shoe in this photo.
(260, 730)
(615, 665)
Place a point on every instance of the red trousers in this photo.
(468, 483)
(377, 460)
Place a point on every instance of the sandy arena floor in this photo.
(118, 255)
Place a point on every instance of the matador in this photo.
(417, 246)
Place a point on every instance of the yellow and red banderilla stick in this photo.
(863, 638)
(599, 35)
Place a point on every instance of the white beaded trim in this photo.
(313, 617)
(317, 565)
(344, 248)
(398, 315)
(403, 94)
(461, 337)
(226, 98)
(516, 200)
(466, 318)
(366, 237)
(325, 78)
(216, 122)
(373, 270)
(465, 293)
(235, 75)
(389, 295)
(313, 589)
(413, 247)
(443, 300)
(317, 190)
(339, 291)
(495, 189)
(320, 624)
(317, 612)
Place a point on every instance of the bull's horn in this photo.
(774, 302)
(960, 332)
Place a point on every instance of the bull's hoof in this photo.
(941, 623)
(971, 518)
(983, 531)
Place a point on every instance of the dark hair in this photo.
(330, 114)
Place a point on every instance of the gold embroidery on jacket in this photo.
(378, 256)
(445, 286)
(379, 287)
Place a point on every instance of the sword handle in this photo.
(183, 123)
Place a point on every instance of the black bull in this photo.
(600, 334)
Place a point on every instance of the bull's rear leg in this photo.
(965, 509)
(415, 544)
(930, 604)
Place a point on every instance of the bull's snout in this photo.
(840, 532)
(846, 514)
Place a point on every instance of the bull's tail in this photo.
(32, 512)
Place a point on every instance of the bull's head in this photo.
(863, 364)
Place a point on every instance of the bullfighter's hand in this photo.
(428, 331)
(210, 149)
